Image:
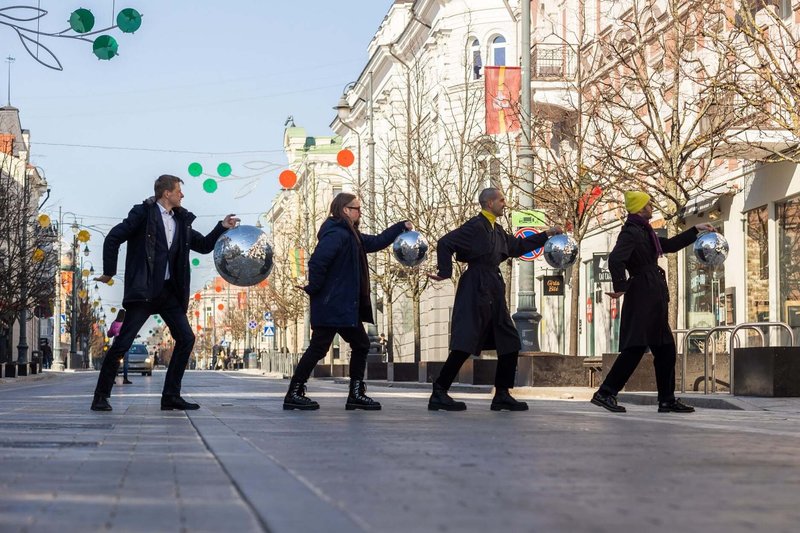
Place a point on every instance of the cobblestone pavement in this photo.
(241, 463)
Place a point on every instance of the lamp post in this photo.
(73, 334)
(22, 347)
(343, 110)
(526, 318)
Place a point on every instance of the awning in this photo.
(704, 203)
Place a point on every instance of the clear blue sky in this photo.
(200, 76)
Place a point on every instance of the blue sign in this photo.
(252, 324)
(267, 315)
(269, 331)
(529, 232)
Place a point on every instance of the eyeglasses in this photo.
(355, 208)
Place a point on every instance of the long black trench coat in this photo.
(481, 320)
(645, 309)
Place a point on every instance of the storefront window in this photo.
(757, 270)
(789, 261)
(705, 293)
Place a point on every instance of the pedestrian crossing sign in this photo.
(269, 331)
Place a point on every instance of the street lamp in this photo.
(343, 110)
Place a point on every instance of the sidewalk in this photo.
(241, 463)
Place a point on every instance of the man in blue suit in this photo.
(338, 284)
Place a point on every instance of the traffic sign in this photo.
(529, 232)
(267, 315)
(269, 331)
(252, 324)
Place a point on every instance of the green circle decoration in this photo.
(196, 262)
(129, 20)
(195, 169)
(81, 21)
(224, 170)
(105, 47)
(210, 185)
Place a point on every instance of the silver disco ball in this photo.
(410, 248)
(560, 251)
(711, 248)
(243, 256)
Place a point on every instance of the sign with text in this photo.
(521, 219)
(600, 269)
(553, 285)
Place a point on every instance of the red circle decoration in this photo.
(221, 307)
(197, 296)
(197, 313)
(287, 179)
(345, 157)
(218, 288)
(199, 327)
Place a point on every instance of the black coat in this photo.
(140, 230)
(481, 320)
(335, 270)
(645, 313)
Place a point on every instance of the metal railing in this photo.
(709, 336)
(553, 61)
(687, 334)
(756, 325)
(280, 362)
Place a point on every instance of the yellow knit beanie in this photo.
(636, 200)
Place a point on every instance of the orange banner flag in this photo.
(502, 99)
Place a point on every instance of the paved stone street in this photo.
(241, 463)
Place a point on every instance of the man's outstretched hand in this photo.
(230, 221)
(103, 279)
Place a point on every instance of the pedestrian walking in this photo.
(113, 331)
(338, 284)
(160, 236)
(481, 320)
(645, 312)
(47, 354)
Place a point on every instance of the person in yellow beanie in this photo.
(644, 322)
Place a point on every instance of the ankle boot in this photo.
(357, 399)
(100, 403)
(440, 400)
(296, 398)
(503, 401)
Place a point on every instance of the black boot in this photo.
(296, 398)
(441, 401)
(607, 401)
(503, 401)
(674, 406)
(357, 399)
(100, 403)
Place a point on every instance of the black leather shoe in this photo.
(100, 403)
(296, 398)
(127, 382)
(607, 401)
(674, 406)
(503, 401)
(441, 401)
(358, 399)
(176, 403)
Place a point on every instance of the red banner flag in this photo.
(502, 99)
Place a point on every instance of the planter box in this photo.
(402, 371)
(23, 369)
(478, 371)
(644, 377)
(322, 371)
(551, 370)
(377, 371)
(429, 371)
(767, 371)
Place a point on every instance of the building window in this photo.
(499, 51)
(705, 294)
(757, 266)
(789, 262)
(477, 62)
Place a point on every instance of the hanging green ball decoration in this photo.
(210, 185)
(105, 47)
(195, 262)
(195, 169)
(129, 20)
(81, 21)
(224, 170)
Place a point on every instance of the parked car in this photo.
(139, 360)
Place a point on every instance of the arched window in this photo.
(477, 62)
(499, 51)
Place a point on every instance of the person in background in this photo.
(113, 331)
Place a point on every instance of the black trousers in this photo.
(663, 359)
(166, 304)
(503, 376)
(320, 343)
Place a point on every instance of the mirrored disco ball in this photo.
(560, 251)
(410, 248)
(243, 256)
(711, 248)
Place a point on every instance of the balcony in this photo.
(553, 62)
